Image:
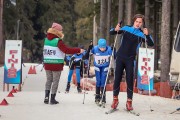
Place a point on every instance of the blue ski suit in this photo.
(101, 64)
(75, 63)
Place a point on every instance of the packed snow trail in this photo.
(28, 104)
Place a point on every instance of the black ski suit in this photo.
(131, 38)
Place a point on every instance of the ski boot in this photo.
(103, 97)
(103, 104)
(97, 99)
(46, 99)
(79, 88)
(115, 102)
(103, 101)
(53, 101)
(129, 105)
(68, 87)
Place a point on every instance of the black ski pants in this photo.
(128, 65)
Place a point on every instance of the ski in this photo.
(111, 111)
(74, 92)
(66, 92)
(178, 109)
(85, 92)
(101, 105)
(132, 112)
(97, 103)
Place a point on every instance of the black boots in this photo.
(100, 96)
(104, 95)
(97, 97)
(99, 92)
(46, 99)
(68, 87)
(79, 88)
(53, 101)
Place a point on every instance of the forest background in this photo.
(86, 20)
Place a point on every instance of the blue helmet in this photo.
(102, 43)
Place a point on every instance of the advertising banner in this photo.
(12, 63)
(145, 72)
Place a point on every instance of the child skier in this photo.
(76, 62)
(102, 54)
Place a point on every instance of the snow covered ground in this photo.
(28, 104)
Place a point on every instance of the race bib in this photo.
(100, 60)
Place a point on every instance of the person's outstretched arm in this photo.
(67, 49)
(116, 30)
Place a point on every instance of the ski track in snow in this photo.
(28, 104)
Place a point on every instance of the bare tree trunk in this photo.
(146, 13)
(175, 16)
(155, 36)
(72, 22)
(121, 10)
(1, 24)
(156, 32)
(120, 18)
(108, 22)
(165, 43)
(129, 11)
(103, 19)
(95, 36)
(94, 31)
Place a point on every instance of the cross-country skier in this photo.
(77, 63)
(102, 54)
(132, 36)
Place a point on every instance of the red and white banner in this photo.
(12, 63)
(146, 69)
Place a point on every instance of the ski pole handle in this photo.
(120, 23)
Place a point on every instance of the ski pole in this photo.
(89, 61)
(37, 65)
(83, 73)
(110, 63)
(109, 67)
(42, 67)
(83, 83)
(148, 70)
(178, 109)
(85, 91)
